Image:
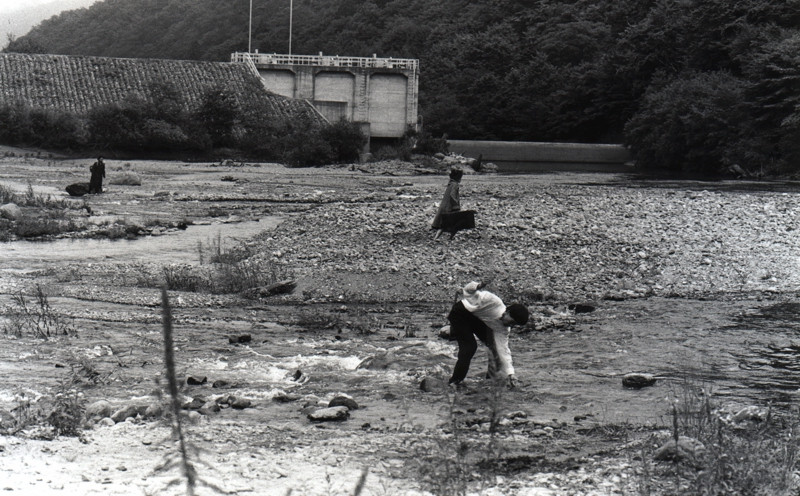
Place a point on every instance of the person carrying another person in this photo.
(483, 314)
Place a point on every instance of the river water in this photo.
(166, 248)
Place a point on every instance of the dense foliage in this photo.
(158, 123)
(688, 84)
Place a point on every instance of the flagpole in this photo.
(250, 30)
(290, 26)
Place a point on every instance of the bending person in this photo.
(483, 314)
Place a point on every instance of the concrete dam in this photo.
(381, 94)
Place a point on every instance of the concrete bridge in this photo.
(379, 93)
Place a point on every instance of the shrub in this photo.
(218, 114)
(126, 177)
(424, 143)
(400, 152)
(345, 140)
(66, 417)
(22, 125)
(36, 318)
(690, 124)
(305, 146)
(754, 456)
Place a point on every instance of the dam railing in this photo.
(326, 60)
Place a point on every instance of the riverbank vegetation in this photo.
(159, 124)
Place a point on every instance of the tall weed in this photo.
(35, 317)
(756, 455)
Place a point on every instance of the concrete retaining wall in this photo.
(529, 155)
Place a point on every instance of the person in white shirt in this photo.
(483, 314)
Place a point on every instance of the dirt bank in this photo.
(692, 282)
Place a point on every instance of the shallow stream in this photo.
(175, 246)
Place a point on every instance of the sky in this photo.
(17, 17)
(11, 5)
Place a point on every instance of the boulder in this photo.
(345, 401)
(750, 413)
(10, 211)
(432, 384)
(282, 287)
(284, 397)
(195, 404)
(687, 448)
(78, 189)
(209, 408)
(331, 414)
(194, 381)
(582, 307)
(100, 409)
(128, 411)
(637, 380)
(7, 420)
(154, 410)
(241, 403)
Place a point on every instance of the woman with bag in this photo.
(450, 217)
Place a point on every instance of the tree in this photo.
(218, 114)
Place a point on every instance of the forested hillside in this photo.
(688, 84)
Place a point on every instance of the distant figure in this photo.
(483, 314)
(98, 170)
(450, 217)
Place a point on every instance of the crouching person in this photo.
(483, 314)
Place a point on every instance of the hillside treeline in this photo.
(689, 85)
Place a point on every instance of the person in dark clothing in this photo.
(98, 170)
(449, 207)
(483, 314)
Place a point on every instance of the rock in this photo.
(6, 419)
(194, 416)
(194, 381)
(10, 211)
(108, 422)
(345, 401)
(687, 448)
(241, 403)
(78, 189)
(209, 408)
(154, 410)
(636, 380)
(750, 413)
(195, 404)
(220, 383)
(128, 411)
(282, 287)
(100, 409)
(582, 307)
(283, 397)
(244, 338)
(432, 384)
(331, 414)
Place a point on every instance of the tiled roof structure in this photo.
(79, 83)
